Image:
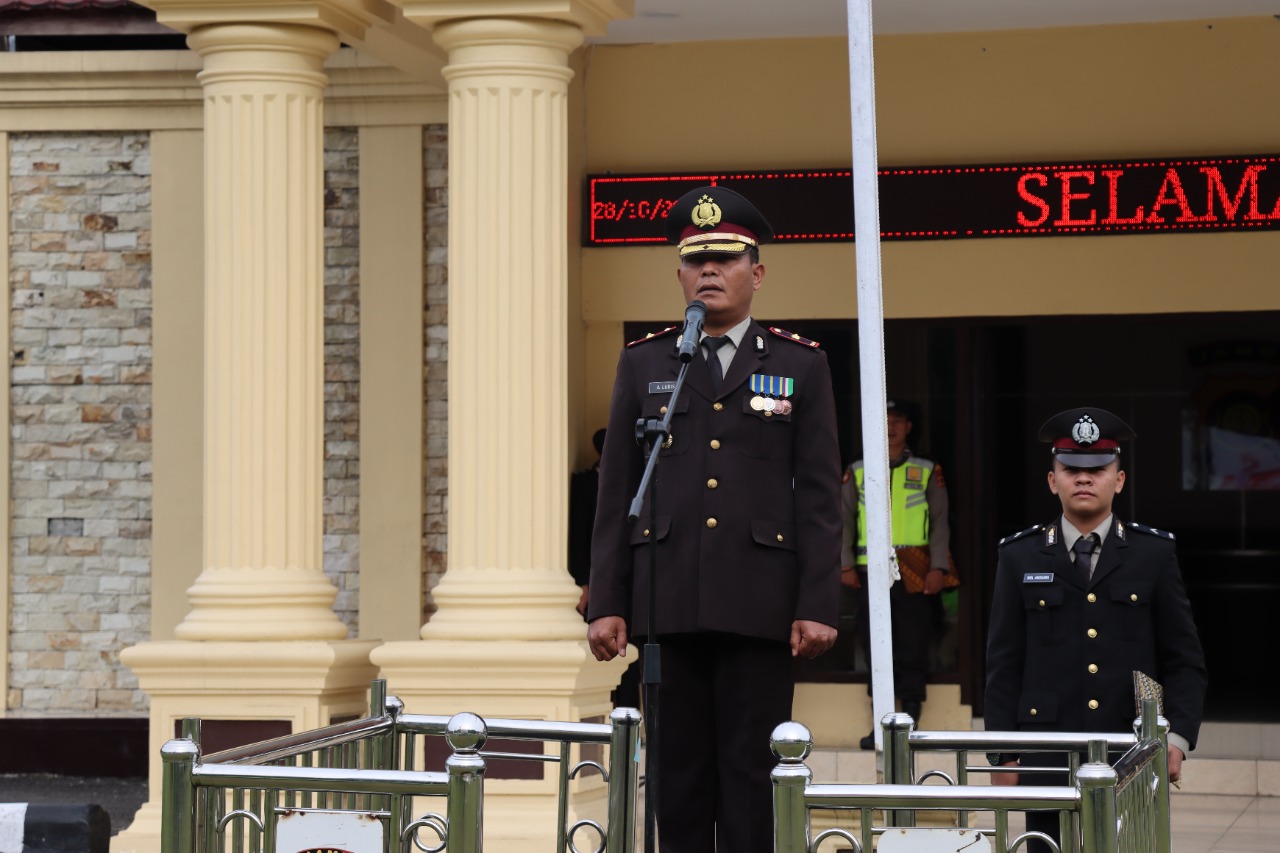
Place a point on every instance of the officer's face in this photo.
(725, 283)
(899, 428)
(1086, 492)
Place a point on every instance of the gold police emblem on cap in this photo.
(706, 213)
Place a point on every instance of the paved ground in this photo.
(120, 797)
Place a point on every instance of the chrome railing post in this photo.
(466, 734)
(898, 767)
(623, 780)
(791, 743)
(1096, 783)
(178, 801)
(1152, 726)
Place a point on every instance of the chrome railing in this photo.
(350, 755)
(1120, 808)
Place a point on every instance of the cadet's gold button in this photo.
(1093, 704)
(646, 531)
(779, 537)
(1091, 598)
(1133, 597)
(1093, 632)
(768, 414)
(718, 406)
(1042, 602)
(662, 411)
(712, 483)
(1034, 712)
(715, 444)
(1093, 668)
(711, 522)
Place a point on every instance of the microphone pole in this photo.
(653, 434)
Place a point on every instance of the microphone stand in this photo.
(652, 433)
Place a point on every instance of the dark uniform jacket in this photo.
(748, 503)
(1044, 670)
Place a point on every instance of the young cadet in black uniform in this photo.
(748, 531)
(1081, 603)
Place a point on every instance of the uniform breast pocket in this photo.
(1134, 600)
(655, 408)
(1043, 603)
(766, 433)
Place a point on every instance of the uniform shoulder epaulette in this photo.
(1142, 528)
(653, 336)
(1021, 533)
(793, 337)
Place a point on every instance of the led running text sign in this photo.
(953, 202)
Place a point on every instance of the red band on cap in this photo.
(1100, 444)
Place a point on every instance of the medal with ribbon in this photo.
(771, 393)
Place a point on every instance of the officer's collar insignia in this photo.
(1119, 529)
(706, 213)
(1051, 535)
(759, 343)
(1085, 431)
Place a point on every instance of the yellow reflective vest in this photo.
(908, 502)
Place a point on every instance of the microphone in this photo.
(694, 316)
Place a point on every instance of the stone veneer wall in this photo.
(80, 294)
(342, 369)
(80, 285)
(436, 358)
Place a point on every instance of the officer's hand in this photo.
(583, 600)
(608, 637)
(810, 639)
(933, 582)
(1005, 778)
(849, 577)
(1175, 764)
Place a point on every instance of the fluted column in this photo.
(263, 576)
(508, 452)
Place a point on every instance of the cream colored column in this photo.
(262, 577)
(261, 641)
(506, 640)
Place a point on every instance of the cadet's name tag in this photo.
(661, 387)
(1038, 577)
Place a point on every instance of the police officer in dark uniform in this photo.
(748, 531)
(1081, 603)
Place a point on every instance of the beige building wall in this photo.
(1199, 88)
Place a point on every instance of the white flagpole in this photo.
(881, 567)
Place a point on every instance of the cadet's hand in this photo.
(849, 577)
(1175, 764)
(933, 582)
(810, 638)
(1005, 778)
(584, 599)
(608, 637)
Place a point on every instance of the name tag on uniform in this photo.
(1038, 577)
(661, 387)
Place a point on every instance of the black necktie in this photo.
(1081, 552)
(713, 361)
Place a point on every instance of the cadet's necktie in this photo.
(1082, 551)
(713, 360)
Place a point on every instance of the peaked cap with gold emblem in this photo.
(716, 219)
(1085, 438)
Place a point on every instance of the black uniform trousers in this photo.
(913, 628)
(721, 697)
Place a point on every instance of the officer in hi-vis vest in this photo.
(922, 538)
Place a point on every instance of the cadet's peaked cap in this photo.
(716, 219)
(1085, 438)
(901, 406)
